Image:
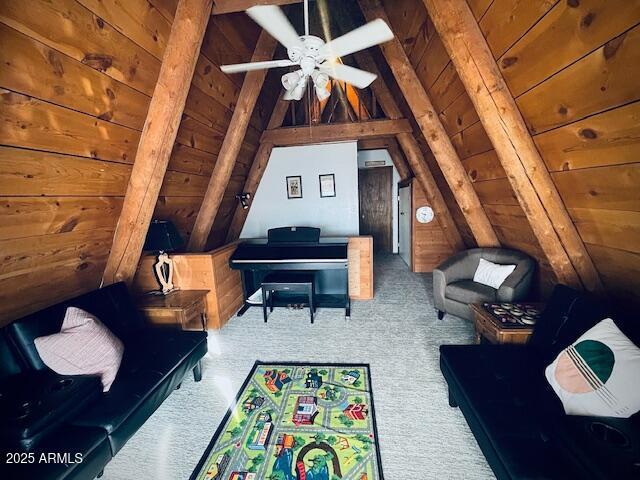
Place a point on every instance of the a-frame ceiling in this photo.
(67, 152)
(424, 47)
(561, 257)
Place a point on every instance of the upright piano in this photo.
(295, 249)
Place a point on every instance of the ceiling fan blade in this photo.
(274, 21)
(246, 67)
(356, 77)
(373, 33)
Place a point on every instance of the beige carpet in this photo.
(398, 334)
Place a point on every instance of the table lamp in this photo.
(163, 237)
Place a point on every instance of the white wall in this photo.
(336, 216)
(377, 155)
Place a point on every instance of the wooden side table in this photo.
(489, 327)
(183, 308)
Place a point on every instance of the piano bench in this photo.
(290, 282)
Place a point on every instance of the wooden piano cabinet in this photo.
(360, 255)
(201, 271)
(211, 271)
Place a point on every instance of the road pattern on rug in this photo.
(297, 422)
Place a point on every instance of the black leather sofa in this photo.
(515, 415)
(48, 422)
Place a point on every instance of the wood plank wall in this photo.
(572, 67)
(75, 85)
(429, 247)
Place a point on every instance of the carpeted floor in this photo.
(397, 333)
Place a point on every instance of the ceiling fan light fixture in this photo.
(322, 93)
(297, 92)
(320, 80)
(291, 79)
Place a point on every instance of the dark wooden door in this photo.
(374, 191)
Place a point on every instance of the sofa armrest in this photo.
(460, 266)
(516, 286)
(439, 285)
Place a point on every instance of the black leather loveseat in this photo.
(516, 417)
(64, 427)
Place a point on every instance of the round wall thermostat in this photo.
(424, 214)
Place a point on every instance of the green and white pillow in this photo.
(599, 374)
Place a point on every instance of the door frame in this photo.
(407, 184)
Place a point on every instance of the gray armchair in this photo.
(454, 288)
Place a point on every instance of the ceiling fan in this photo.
(317, 60)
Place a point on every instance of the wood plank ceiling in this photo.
(68, 140)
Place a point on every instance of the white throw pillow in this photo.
(84, 346)
(598, 374)
(492, 274)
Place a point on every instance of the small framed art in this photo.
(294, 187)
(327, 185)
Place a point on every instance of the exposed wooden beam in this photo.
(229, 6)
(434, 132)
(323, 105)
(316, 110)
(231, 145)
(157, 138)
(353, 97)
(412, 151)
(327, 113)
(258, 167)
(278, 113)
(342, 104)
(305, 108)
(375, 143)
(349, 110)
(503, 122)
(374, 105)
(399, 161)
(335, 132)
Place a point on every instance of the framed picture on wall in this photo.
(327, 185)
(294, 187)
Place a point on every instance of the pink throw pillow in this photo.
(84, 346)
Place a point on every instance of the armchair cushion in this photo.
(492, 274)
(468, 291)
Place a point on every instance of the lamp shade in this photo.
(162, 236)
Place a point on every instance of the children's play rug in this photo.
(295, 421)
